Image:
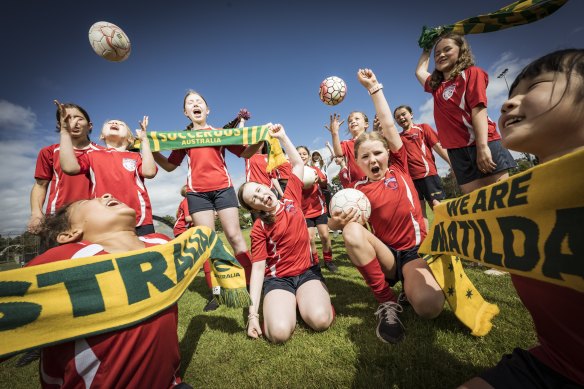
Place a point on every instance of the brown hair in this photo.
(372, 136)
(465, 59)
(53, 225)
(192, 92)
(264, 216)
(71, 105)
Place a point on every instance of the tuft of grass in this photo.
(440, 353)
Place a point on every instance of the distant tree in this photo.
(522, 164)
(170, 219)
(451, 188)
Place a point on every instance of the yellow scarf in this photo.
(70, 299)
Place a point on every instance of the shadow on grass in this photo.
(196, 328)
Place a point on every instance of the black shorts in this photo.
(464, 162)
(291, 284)
(429, 188)
(314, 221)
(214, 200)
(522, 370)
(401, 258)
(145, 230)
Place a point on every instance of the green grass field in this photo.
(440, 353)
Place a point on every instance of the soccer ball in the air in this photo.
(332, 90)
(349, 198)
(309, 177)
(109, 41)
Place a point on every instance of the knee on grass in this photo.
(427, 306)
(319, 319)
(279, 332)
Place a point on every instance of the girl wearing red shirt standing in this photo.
(315, 211)
(460, 111)
(390, 252)
(210, 187)
(282, 260)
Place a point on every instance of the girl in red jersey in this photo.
(255, 170)
(282, 261)
(49, 177)
(390, 252)
(460, 112)
(544, 115)
(210, 187)
(419, 141)
(142, 355)
(315, 211)
(358, 123)
(115, 170)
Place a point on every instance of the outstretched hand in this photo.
(141, 134)
(335, 124)
(277, 131)
(367, 78)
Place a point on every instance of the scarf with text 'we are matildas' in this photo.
(174, 140)
(516, 14)
(71, 299)
(529, 225)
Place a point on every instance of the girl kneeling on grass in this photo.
(390, 253)
(281, 257)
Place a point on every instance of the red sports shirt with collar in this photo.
(396, 215)
(313, 201)
(419, 141)
(284, 244)
(453, 104)
(255, 170)
(355, 172)
(207, 169)
(284, 171)
(63, 189)
(145, 355)
(181, 225)
(118, 173)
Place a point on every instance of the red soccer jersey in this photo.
(453, 104)
(344, 178)
(396, 215)
(63, 189)
(419, 141)
(207, 170)
(118, 173)
(145, 355)
(313, 202)
(558, 316)
(255, 170)
(181, 224)
(355, 172)
(284, 171)
(284, 244)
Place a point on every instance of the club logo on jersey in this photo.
(448, 92)
(290, 208)
(129, 164)
(390, 183)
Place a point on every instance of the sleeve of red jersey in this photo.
(294, 189)
(400, 159)
(44, 164)
(344, 178)
(427, 87)
(429, 135)
(259, 241)
(345, 145)
(476, 87)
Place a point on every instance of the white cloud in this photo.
(16, 118)
(425, 113)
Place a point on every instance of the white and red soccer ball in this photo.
(332, 90)
(347, 199)
(109, 41)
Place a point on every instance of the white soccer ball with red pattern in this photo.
(332, 90)
(109, 41)
(309, 177)
(347, 199)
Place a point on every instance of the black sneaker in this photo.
(212, 305)
(331, 266)
(402, 299)
(29, 357)
(389, 327)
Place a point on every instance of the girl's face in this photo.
(373, 159)
(81, 127)
(540, 116)
(446, 54)
(196, 109)
(99, 215)
(259, 197)
(315, 157)
(357, 124)
(403, 117)
(115, 129)
(304, 155)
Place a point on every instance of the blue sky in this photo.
(266, 56)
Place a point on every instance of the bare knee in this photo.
(428, 305)
(279, 332)
(353, 234)
(319, 319)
